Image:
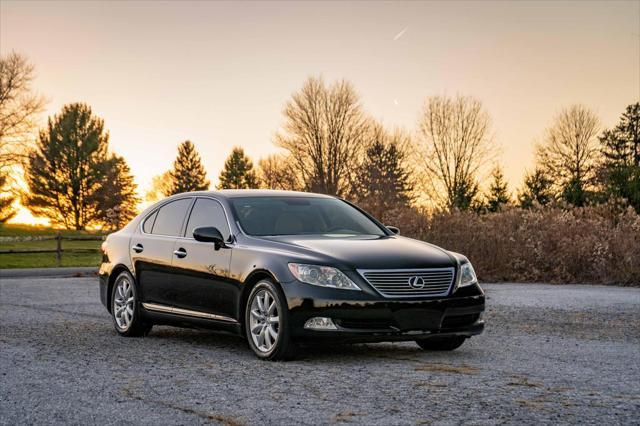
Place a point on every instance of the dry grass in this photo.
(596, 244)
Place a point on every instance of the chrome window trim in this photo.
(158, 208)
(179, 237)
(224, 211)
(185, 312)
(454, 278)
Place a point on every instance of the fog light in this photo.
(320, 323)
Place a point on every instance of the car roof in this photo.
(236, 193)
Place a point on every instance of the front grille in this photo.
(397, 283)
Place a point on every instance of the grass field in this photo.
(44, 260)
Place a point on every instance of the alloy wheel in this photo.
(123, 304)
(264, 322)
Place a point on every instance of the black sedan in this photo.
(285, 268)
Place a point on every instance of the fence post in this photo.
(59, 248)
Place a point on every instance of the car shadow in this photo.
(327, 352)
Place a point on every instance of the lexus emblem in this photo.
(416, 282)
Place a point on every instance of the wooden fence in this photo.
(59, 250)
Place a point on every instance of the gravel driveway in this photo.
(551, 354)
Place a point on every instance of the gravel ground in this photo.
(550, 354)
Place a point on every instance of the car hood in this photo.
(371, 252)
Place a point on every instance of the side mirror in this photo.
(209, 234)
(394, 229)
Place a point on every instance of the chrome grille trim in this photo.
(394, 283)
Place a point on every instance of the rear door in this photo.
(152, 251)
(200, 272)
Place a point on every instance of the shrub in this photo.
(559, 244)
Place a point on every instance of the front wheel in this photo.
(127, 318)
(441, 343)
(267, 323)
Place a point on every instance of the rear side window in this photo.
(170, 218)
(148, 222)
(208, 212)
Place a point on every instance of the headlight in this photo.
(323, 276)
(467, 275)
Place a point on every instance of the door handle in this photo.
(137, 248)
(180, 253)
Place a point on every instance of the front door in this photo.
(200, 273)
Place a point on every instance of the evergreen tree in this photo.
(382, 182)
(537, 189)
(67, 167)
(570, 154)
(188, 173)
(6, 201)
(498, 191)
(621, 151)
(463, 195)
(116, 201)
(238, 172)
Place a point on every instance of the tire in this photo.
(441, 343)
(128, 321)
(268, 321)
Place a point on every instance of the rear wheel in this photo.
(267, 323)
(127, 318)
(441, 343)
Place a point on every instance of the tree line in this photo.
(330, 145)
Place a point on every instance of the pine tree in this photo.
(570, 155)
(67, 167)
(6, 201)
(238, 172)
(621, 151)
(188, 173)
(498, 191)
(382, 182)
(464, 196)
(537, 189)
(116, 201)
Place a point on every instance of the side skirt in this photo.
(167, 315)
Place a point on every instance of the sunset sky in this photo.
(219, 73)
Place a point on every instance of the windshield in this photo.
(261, 216)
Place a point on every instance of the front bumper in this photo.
(368, 317)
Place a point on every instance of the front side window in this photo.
(170, 218)
(208, 212)
(261, 216)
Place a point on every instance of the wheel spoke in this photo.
(260, 303)
(272, 307)
(267, 338)
(272, 333)
(274, 320)
(256, 329)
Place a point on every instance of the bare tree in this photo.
(456, 141)
(324, 132)
(570, 152)
(277, 171)
(19, 107)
